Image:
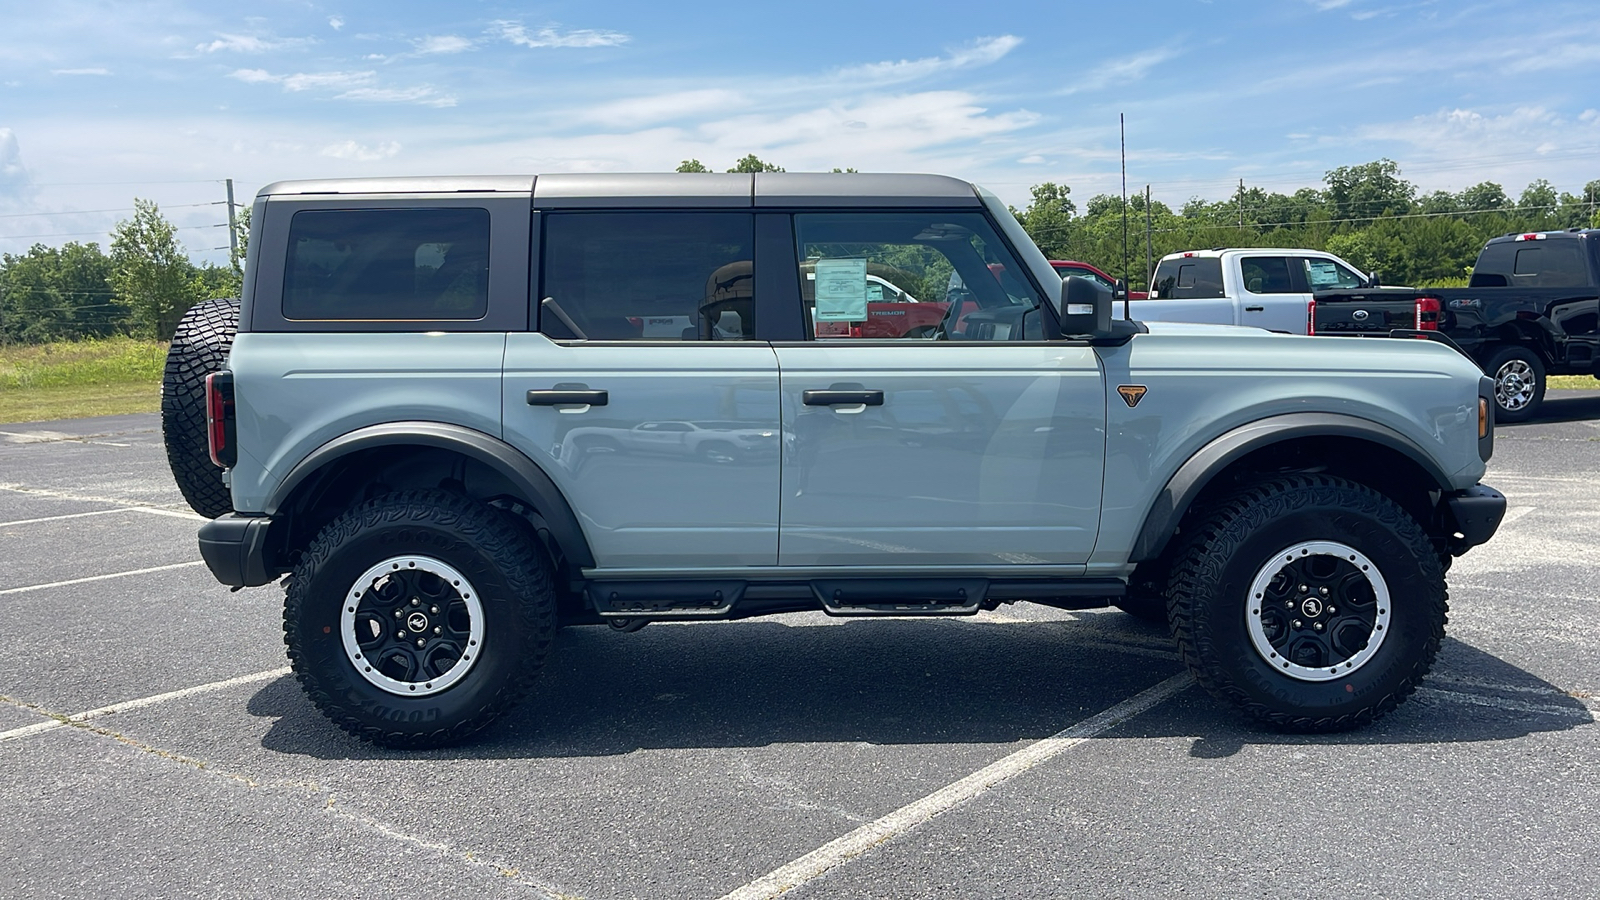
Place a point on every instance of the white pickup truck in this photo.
(1264, 287)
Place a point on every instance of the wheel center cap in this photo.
(1311, 608)
(417, 622)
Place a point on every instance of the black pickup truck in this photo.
(1531, 309)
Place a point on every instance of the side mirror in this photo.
(1372, 280)
(1119, 291)
(1085, 308)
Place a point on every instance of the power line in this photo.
(81, 212)
(18, 237)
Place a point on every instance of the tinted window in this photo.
(1092, 275)
(1190, 278)
(387, 264)
(1327, 275)
(1550, 264)
(648, 276)
(921, 276)
(1266, 275)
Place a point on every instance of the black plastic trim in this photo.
(1186, 484)
(1477, 512)
(234, 548)
(505, 459)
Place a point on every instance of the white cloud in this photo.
(444, 43)
(550, 36)
(361, 152)
(1122, 71)
(637, 111)
(982, 52)
(336, 22)
(349, 85)
(244, 43)
(80, 71)
(13, 174)
(1324, 5)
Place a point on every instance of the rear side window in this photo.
(1266, 275)
(1190, 278)
(655, 276)
(1554, 262)
(387, 265)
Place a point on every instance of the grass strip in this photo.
(69, 380)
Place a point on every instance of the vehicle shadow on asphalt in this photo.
(903, 682)
(1563, 406)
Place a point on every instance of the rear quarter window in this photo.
(1553, 262)
(387, 265)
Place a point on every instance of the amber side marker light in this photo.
(1483, 418)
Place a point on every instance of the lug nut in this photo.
(420, 642)
(399, 635)
(1298, 623)
(438, 631)
(1317, 626)
(398, 614)
(1303, 589)
(434, 610)
(1332, 610)
(416, 602)
(1323, 592)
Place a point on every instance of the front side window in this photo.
(1092, 275)
(1266, 275)
(1327, 275)
(914, 276)
(654, 276)
(387, 265)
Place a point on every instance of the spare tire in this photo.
(199, 347)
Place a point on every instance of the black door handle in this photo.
(836, 398)
(566, 398)
(1255, 309)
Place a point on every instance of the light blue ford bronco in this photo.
(460, 413)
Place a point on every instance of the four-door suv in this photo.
(410, 416)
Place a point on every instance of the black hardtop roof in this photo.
(589, 190)
(1574, 233)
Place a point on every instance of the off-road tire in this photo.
(516, 596)
(1523, 361)
(199, 347)
(1238, 538)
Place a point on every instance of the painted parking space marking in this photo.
(141, 703)
(153, 508)
(842, 850)
(80, 515)
(72, 581)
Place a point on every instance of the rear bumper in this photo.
(1476, 513)
(235, 549)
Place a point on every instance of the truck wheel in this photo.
(417, 618)
(1518, 375)
(1311, 603)
(199, 347)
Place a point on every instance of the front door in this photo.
(976, 445)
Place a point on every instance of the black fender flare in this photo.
(1185, 485)
(508, 461)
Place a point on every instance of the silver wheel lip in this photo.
(1264, 576)
(463, 587)
(1524, 394)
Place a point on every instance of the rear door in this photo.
(606, 401)
(1186, 289)
(1273, 295)
(981, 445)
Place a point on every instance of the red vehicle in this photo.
(1066, 267)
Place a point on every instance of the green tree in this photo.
(1369, 191)
(1049, 218)
(692, 165)
(150, 272)
(1483, 197)
(753, 163)
(52, 294)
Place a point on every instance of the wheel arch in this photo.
(500, 469)
(1356, 448)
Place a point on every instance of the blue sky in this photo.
(102, 102)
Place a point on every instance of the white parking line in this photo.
(72, 581)
(98, 512)
(838, 852)
(126, 705)
(119, 501)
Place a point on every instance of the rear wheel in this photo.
(1311, 603)
(1519, 381)
(199, 347)
(418, 618)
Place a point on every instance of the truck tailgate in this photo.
(1365, 312)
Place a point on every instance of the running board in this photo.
(664, 599)
(901, 596)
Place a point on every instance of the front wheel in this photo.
(1519, 383)
(417, 618)
(1311, 603)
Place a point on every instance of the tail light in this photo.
(1311, 317)
(221, 436)
(1427, 313)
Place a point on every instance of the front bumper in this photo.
(235, 549)
(1475, 514)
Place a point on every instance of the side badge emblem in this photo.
(1132, 393)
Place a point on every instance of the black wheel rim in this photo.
(412, 625)
(1318, 610)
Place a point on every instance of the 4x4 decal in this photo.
(1131, 393)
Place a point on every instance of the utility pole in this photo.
(1149, 246)
(1241, 204)
(233, 231)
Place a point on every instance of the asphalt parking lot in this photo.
(153, 744)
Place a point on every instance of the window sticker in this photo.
(841, 290)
